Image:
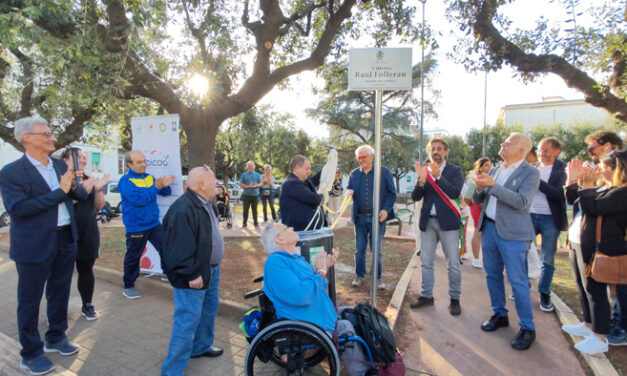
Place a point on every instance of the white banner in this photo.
(158, 138)
(379, 69)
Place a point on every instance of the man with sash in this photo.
(439, 184)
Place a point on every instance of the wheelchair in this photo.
(226, 213)
(290, 347)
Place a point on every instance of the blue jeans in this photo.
(545, 226)
(499, 253)
(363, 237)
(450, 245)
(193, 327)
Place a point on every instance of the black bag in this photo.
(373, 328)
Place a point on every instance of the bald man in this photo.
(506, 193)
(191, 257)
(140, 215)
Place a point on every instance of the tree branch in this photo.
(594, 93)
(74, 130)
(27, 91)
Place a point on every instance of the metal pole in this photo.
(422, 82)
(376, 197)
(485, 104)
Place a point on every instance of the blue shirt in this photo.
(296, 291)
(250, 178)
(50, 176)
(364, 203)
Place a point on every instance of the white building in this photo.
(552, 110)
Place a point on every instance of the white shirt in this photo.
(50, 176)
(432, 212)
(539, 203)
(501, 177)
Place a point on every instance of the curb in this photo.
(393, 309)
(599, 364)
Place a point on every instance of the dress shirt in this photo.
(432, 212)
(501, 177)
(50, 176)
(217, 253)
(364, 206)
(539, 203)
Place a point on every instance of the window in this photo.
(122, 168)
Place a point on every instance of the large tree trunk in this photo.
(201, 131)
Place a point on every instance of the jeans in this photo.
(250, 202)
(450, 245)
(363, 237)
(55, 276)
(499, 253)
(135, 245)
(545, 226)
(193, 327)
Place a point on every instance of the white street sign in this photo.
(379, 69)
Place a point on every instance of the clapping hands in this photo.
(324, 261)
(575, 170)
(164, 181)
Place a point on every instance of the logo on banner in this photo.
(174, 123)
(151, 128)
(156, 158)
(162, 127)
(380, 57)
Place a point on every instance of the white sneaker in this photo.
(476, 263)
(592, 345)
(466, 256)
(534, 274)
(580, 330)
(357, 282)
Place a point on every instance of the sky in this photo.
(461, 102)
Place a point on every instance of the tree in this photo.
(121, 50)
(569, 52)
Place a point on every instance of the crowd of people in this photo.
(52, 204)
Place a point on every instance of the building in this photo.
(552, 110)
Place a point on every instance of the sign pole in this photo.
(376, 197)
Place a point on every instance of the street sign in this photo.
(379, 69)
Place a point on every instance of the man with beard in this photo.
(602, 143)
(439, 184)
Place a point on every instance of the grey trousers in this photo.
(450, 244)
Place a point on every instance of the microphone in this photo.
(74, 153)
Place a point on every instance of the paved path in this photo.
(130, 338)
(433, 341)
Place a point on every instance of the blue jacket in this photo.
(451, 182)
(33, 209)
(296, 292)
(299, 201)
(553, 189)
(139, 201)
(387, 194)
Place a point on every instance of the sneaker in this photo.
(534, 274)
(511, 296)
(592, 345)
(131, 293)
(455, 308)
(422, 302)
(89, 312)
(476, 263)
(580, 330)
(37, 366)
(244, 225)
(381, 285)
(618, 337)
(545, 302)
(357, 282)
(466, 256)
(63, 347)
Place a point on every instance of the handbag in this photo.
(603, 268)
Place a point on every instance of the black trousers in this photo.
(250, 202)
(55, 275)
(85, 281)
(270, 201)
(135, 245)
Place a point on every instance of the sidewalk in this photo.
(130, 338)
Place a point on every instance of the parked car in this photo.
(235, 192)
(113, 196)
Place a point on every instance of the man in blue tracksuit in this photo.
(140, 215)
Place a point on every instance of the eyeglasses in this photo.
(45, 134)
(206, 167)
(437, 148)
(591, 148)
(360, 157)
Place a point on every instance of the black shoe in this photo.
(454, 308)
(545, 302)
(421, 302)
(524, 339)
(212, 353)
(495, 322)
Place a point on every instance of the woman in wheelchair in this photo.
(222, 202)
(298, 293)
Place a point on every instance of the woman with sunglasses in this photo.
(88, 243)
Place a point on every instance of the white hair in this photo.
(26, 125)
(268, 236)
(367, 148)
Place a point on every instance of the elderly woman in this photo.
(298, 291)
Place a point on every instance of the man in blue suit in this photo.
(37, 191)
(299, 201)
(361, 186)
(439, 185)
(506, 193)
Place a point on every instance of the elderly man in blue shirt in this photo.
(361, 186)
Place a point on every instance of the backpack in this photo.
(373, 328)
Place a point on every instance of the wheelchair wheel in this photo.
(292, 348)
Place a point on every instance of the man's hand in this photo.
(65, 183)
(483, 181)
(164, 181)
(196, 283)
(383, 214)
(320, 263)
(421, 171)
(349, 193)
(435, 170)
(332, 257)
(574, 170)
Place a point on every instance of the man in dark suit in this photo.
(299, 200)
(37, 192)
(439, 185)
(548, 212)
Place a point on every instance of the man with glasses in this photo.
(38, 191)
(140, 214)
(361, 187)
(602, 143)
(439, 185)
